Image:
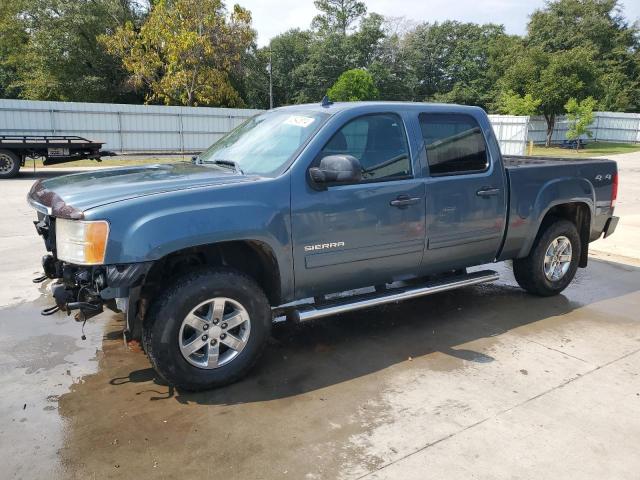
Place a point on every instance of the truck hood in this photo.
(69, 196)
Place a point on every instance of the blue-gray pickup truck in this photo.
(388, 201)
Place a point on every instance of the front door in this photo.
(465, 193)
(365, 233)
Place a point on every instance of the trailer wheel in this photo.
(552, 262)
(207, 329)
(9, 164)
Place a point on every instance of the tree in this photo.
(600, 26)
(513, 104)
(337, 16)
(450, 61)
(13, 39)
(49, 49)
(551, 79)
(353, 85)
(289, 52)
(253, 86)
(580, 116)
(187, 52)
(366, 42)
(329, 56)
(389, 68)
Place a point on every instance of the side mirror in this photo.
(336, 170)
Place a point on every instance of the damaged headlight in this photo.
(80, 242)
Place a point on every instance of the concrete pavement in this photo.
(484, 382)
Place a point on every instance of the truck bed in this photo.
(513, 161)
(47, 141)
(534, 181)
(53, 149)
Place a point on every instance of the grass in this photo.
(593, 149)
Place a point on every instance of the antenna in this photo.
(325, 101)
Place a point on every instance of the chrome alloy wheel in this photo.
(557, 259)
(214, 333)
(6, 163)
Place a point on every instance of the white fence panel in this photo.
(606, 127)
(617, 127)
(123, 128)
(154, 128)
(511, 132)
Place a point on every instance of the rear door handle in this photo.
(488, 192)
(404, 201)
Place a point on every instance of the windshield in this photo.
(265, 143)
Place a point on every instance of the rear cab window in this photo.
(455, 144)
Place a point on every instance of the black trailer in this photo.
(15, 149)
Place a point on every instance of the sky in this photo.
(271, 17)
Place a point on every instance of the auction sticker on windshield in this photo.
(299, 121)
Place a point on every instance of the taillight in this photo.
(614, 190)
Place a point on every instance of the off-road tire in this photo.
(162, 324)
(529, 271)
(15, 167)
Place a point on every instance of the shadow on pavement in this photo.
(306, 357)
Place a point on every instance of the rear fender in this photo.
(559, 191)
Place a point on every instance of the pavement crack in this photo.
(560, 351)
(499, 413)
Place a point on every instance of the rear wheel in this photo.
(208, 329)
(553, 260)
(9, 164)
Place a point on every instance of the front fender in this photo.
(557, 191)
(165, 231)
(150, 227)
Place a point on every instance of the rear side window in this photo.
(454, 143)
(378, 142)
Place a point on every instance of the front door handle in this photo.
(488, 192)
(404, 201)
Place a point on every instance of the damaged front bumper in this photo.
(86, 290)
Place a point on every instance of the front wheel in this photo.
(552, 262)
(207, 329)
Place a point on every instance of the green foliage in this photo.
(353, 85)
(192, 52)
(49, 49)
(513, 104)
(551, 79)
(13, 39)
(186, 52)
(580, 116)
(599, 26)
(337, 16)
(450, 61)
(290, 52)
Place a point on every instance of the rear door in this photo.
(364, 233)
(466, 198)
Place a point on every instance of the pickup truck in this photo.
(308, 211)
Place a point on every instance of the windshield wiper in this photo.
(229, 163)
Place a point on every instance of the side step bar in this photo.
(306, 312)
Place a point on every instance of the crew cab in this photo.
(389, 201)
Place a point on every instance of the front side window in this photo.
(378, 142)
(264, 144)
(454, 142)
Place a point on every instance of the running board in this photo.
(302, 313)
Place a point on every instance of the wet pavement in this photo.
(482, 382)
(339, 397)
